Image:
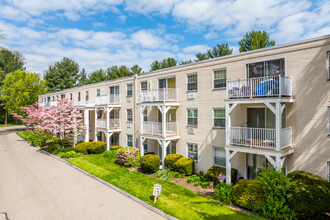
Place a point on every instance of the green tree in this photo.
(20, 89)
(217, 51)
(62, 74)
(183, 62)
(201, 56)
(97, 76)
(165, 63)
(115, 72)
(83, 77)
(255, 40)
(2, 34)
(136, 69)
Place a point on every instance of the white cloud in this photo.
(147, 39)
(195, 49)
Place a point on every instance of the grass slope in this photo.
(24, 134)
(175, 200)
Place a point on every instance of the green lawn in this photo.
(24, 134)
(10, 125)
(175, 200)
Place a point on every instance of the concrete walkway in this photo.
(36, 186)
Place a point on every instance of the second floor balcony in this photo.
(114, 123)
(156, 129)
(107, 99)
(47, 104)
(268, 86)
(160, 95)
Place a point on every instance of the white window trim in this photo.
(190, 74)
(127, 140)
(217, 147)
(214, 117)
(97, 92)
(188, 125)
(141, 85)
(258, 61)
(128, 96)
(221, 88)
(189, 143)
(127, 115)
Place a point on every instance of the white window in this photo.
(129, 90)
(98, 92)
(145, 146)
(129, 115)
(193, 152)
(62, 96)
(219, 156)
(219, 118)
(144, 85)
(219, 78)
(129, 140)
(87, 95)
(192, 82)
(192, 117)
(78, 96)
(145, 115)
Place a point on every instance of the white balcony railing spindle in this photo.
(155, 128)
(159, 95)
(107, 99)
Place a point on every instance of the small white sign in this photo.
(157, 189)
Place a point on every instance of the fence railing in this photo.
(259, 137)
(113, 123)
(155, 128)
(160, 95)
(107, 99)
(268, 86)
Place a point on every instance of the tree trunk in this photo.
(5, 117)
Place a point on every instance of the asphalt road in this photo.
(36, 186)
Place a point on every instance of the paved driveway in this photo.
(36, 186)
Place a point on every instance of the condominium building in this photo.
(267, 107)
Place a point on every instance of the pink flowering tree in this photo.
(62, 120)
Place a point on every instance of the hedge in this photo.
(150, 163)
(248, 194)
(310, 194)
(115, 147)
(96, 147)
(171, 159)
(213, 172)
(184, 165)
(82, 147)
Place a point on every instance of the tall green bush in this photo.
(184, 165)
(275, 186)
(150, 163)
(248, 194)
(170, 159)
(82, 147)
(213, 172)
(309, 195)
(224, 192)
(96, 147)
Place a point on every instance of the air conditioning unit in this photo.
(191, 95)
(191, 130)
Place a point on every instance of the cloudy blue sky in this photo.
(101, 33)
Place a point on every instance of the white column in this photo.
(227, 124)
(141, 119)
(141, 146)
(228, 167)
(278, 125)
(74, 133)
(95, 131)
(86, 123)
(164, 153)
(164, 121)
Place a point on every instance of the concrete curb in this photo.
(114, 187)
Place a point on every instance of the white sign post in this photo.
(157, 191)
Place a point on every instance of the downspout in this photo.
(134, 109)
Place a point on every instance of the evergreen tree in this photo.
(255, 40)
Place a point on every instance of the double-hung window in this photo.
(129, 140)
(192, 117)
(219, 78)
(98, 92)
(145, 115)
(129, 90)
(144, 85)
(219, 118)
(219, 156)
(129, 115)
(193, 151)
(192, 82)
(70, 96)
(78, 96)
(62, 96)
(87, 95)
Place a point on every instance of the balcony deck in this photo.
(114, 124)
(260, 87)
(155, 129)
(110, 99)
(159, 95)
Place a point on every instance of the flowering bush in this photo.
(128, 156)
(221, 178)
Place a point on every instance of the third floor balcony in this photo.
(267, 86)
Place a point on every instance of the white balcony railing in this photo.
(155, 128)
(259, 137)
(107, 99)
(268, 86)
(113, 123)
(160, 95)
(47, 104)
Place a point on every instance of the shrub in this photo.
(194, 179)
(38, 139)
(310, 194)
(70, 154)
(248, 194)
(128, 156)
(82, 147)
(176, 175)
(275, 186)
(213, 172)
(96, 147)
(170, 159)
(112, 154)
(115, 147)
(224, 192)
(52, 148)
(62, 150)
(184, 165)
(150, 163)
(163, 174)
